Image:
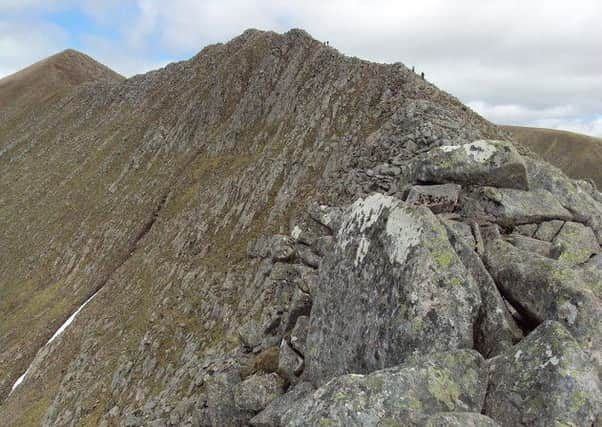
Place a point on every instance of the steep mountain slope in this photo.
(152, 188)
(579, 156)
(161, 196)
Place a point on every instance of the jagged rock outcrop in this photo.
(545, 380)
(271, 217)
(409, 291)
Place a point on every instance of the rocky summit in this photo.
(274, 234)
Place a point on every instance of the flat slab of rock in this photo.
(513, 207)
(290, 364)
(529, 244)
(425, 385)
(575, 243)
(548, 230)
(545, 380)
(438, 198)
(282, 248)
(272, 414)
(585, 208)
(483, 162)
(392, 286)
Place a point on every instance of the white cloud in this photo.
(23, 42)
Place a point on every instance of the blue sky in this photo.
(536, 62)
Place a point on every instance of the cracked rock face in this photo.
(394, 265)
(545, 380)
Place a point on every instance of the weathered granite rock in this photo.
(494, 331)
(250, 334)
(307, 256)
(272, 414)
(259, 248)
(403, 395)
(222, 408)
(483, 162)
(308, 282)
(547, 230)
(300, 306)
(527, 229)
(544, 380)
(529, 244)
(513, 207)
(576, 243)
(299, 334)
(438, 198)
(459, 419)
(329, 217)
(257, 391)
(546, 289)
(323, 245)
(393, 286)
(584, 207)
(290, 364)
(306, 232)
(461, 230)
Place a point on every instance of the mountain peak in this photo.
(52, 76)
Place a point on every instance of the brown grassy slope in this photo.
(50, 77)
(579, 156)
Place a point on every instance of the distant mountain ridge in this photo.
(578, 155)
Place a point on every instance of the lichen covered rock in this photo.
(392, 286)
(459, 419)
(545, 289)
(546, 380)
(483, 162)
(403, 395)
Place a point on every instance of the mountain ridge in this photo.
(182, 197)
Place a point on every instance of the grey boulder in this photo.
(392, 286)
(403, 395)
(546, 289)
(483, 162)
(575, 243)
(545, 380)
(257, 391)
(459, 419)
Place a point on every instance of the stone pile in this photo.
(469, 297)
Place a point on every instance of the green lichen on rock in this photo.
(395, 265)
(404, 395)
(550, 376)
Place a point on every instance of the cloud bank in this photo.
(536, 63)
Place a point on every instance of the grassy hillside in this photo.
(579, 156)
